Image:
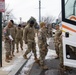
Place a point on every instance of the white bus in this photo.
(69, 32)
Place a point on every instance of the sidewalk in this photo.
(12, 67)
(15, 64)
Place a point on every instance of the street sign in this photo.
(2, 5)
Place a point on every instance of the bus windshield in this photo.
(70, 10)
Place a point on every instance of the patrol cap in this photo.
(32, 22)
(19, 25)
(12, 21)
(42, 24)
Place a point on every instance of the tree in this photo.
(7, 15)
(48, 19)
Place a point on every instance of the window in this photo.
(69, 11)
(70, 52)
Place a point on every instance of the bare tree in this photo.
(7, 15)
(48, 19)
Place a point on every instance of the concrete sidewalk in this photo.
(15, 64)
(12, 67)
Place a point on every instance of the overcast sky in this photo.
(28, 8)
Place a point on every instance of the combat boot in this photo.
(44, 67)
(10, 58)
(68, 68)
(57, 57)
(25, 57)
(7, 59)
(36, 60)
(17, 51)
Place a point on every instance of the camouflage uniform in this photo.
(42, 46)
(29, 38)
(61, 52)
(19, 38)
(56, 40)
(62, 67)
(13, 34)
(46, 31)
(49, 31)
(7, 43)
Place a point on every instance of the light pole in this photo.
(0, 39)
(39, 11)
(20, 20)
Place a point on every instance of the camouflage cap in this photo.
(12, 21)
(42, 24)
(31, 22)
(19, 25)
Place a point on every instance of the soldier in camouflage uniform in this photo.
(56, 39)
(13, 34)
(45, 30)
(49, 30)
(19, 38)
(62, 67)
(7, 42)
(42, 45)
(29, 38)
(61, 51)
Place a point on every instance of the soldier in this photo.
(7, 42)
(56, 39)
(49, 30)
(19, 38)
(45, 29)
(62, 67)
(29, 38)
(42, 45)
(61, 52)
(13, 35)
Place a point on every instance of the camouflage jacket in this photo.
(19, 33)
(9, 31)
(57, 36)
(42, 37)
(29, 34)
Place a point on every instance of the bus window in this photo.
(70, 52)
(70, 10)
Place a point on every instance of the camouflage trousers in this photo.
(31, 47)
(61, 55)
(61, 59)
(7, 46)
(42, 57)
(17, 43)
(13, 46)
(43, 53)
(57, 48)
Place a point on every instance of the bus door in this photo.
(69, 32)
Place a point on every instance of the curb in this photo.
(19, 67)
